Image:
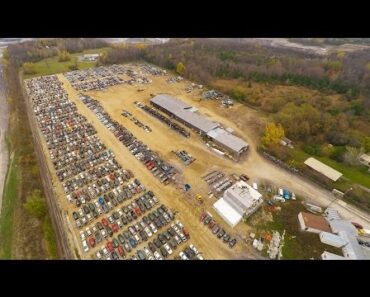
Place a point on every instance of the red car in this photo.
(137, 210)
(92, 241)
(186, 233)
(211, 224)
(105, 222)
(110, 246)
(203, 216)
(357, 225)
(114, 228)
(121, 251)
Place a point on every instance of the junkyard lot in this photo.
(164, 140)
(189, 213)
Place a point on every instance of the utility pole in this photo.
(336, 198)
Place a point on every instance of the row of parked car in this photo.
(189, 253)
(99, 78)
(164, 244)
(138, 123)
(164, 119)
(161, 169)
(107, 203)
(217, 230)
(137, 233)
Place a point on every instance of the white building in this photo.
(89, 57)
(365, 159)
(345, 229)
(238, 201)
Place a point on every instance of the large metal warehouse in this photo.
(187, 115)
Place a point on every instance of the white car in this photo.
(142, 224)
(119, 223)
(120, 212)
(105, 251)
(69, 198)
(179, 224)
(81, 213)
(178, 239)
(98, 255)
(82, 235)
(89, 217)
(183, 256)
(199, 257)
(150, 257)
(85, 246)
(154, 229)
(148, 232)
(88, 232)
(194, 249)
(137, 238)
(147, 252)
(104, 233)
(82, 199)
(168, 249)
(157, 256)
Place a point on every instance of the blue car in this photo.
(101, 201)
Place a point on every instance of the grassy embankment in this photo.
(22, 236)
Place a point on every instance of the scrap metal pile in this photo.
(218, 182)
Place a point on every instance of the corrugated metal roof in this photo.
(323, 169)
(332, 239)
(184, 112)
(330, 256)
(225, 138)
(229, 214)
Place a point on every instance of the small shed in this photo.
(323, 169)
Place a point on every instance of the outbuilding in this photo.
(313, 223)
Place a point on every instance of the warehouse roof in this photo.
(228, 213)
(184, 112)
(315, 222)
(227, 139)
(323, 169)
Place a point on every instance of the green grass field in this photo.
(52, 65)
(7, 212)
(357, 174)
